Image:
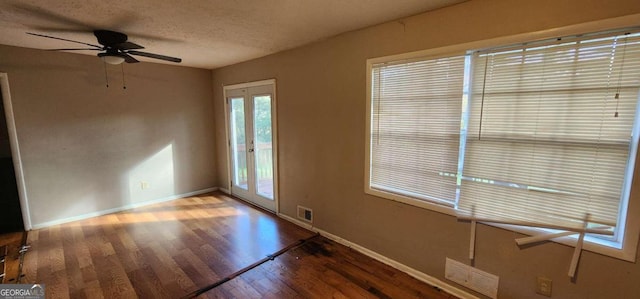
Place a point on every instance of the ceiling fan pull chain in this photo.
(123, 84)
(106, 77)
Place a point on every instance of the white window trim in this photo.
(632, 223)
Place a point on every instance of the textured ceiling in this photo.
(204, 33)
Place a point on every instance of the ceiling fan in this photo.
(114, 47)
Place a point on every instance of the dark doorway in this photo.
(10, 212)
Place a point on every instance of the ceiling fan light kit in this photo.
(112, 59)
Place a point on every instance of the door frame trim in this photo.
(15, 151)
(274, 124)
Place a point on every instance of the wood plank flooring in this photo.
(172, 249)
(322, 268)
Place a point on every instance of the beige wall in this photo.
(321, 124)
(86, 148)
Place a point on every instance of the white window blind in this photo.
(550, 131)
(415, 127)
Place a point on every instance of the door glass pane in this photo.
(263, 149)
(238, 143)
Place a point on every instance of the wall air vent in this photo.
(305, 214)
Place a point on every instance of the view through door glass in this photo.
(239, 144)
(252, 151)
(263, 145)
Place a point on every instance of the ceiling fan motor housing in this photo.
(109, 38)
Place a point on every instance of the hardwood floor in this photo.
(173, 249)
(322, 268)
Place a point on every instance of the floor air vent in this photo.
(305, 214)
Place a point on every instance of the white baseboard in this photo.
(223, 190)
(385, 260)
(122, 208)
(298, 222)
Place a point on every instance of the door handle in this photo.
(251, 150)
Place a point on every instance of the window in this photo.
(543, 132)
(415, 127)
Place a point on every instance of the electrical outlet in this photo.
(543, 286)
(144, 185)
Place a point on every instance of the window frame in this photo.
(631, 225)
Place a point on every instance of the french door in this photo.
(250, 109)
